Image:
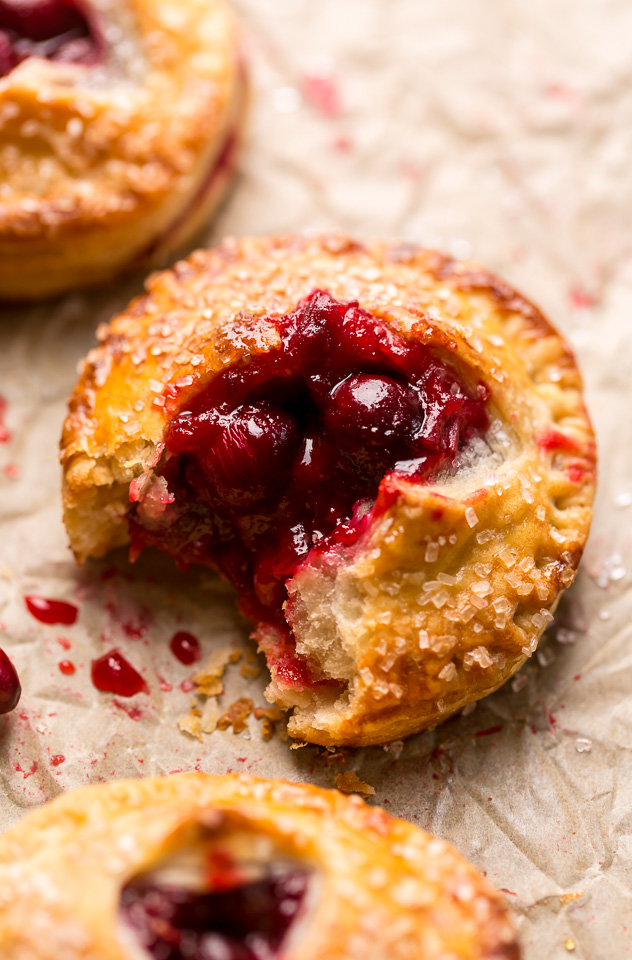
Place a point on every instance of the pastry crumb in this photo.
(210, 716)
(249, 671)
(191, 725)
(269, 717)
(569, 897)
(215, 666)
(349, 782)
(236, 715)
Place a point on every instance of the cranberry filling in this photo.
(248, 922)
(53, 29)
(283, 454)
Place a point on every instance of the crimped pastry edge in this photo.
(544, 394)
(387, 890)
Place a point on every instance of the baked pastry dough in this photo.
(119, 123)
(236, 868)
(397, 473)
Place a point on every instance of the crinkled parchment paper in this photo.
(497, 129)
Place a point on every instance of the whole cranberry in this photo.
(10, 689)
(249, 453)
(372, 411)
(314, 463)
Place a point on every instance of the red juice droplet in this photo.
(63, 643)
(57, 759)
(67, 667)
(185, 647)
(112, 673)
(51, 611)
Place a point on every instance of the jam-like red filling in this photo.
(248, 922)
(54, 29)
(283, 454)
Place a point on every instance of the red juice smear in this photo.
(185, 647)
(67, 667)
(133, 712)
(5, 436)
(51, 611)
(63, 643)
(322, 92)
(112, 673)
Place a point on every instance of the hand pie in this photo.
(196, 867)
(119, 122)
(384, 450)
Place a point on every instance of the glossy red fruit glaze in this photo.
(51, 611)
(185, 647)
(112, 673)
(375, 418)
(306, 436)
(246, 453)
(67, 667)
(248, 922)
(52, 29)
(10, 689)
(58, 759)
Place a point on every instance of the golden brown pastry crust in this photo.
(448, 593)
(103, 166)
(385, 889)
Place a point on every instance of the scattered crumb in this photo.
(209, 688)
(191, 725)
(269, 717)
(215, 666)
(349, 782)
(209, 684)
(236, 715)
(569, 897)
(210, 716)
(249, 671)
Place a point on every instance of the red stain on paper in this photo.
(321, 90)
(5, 435)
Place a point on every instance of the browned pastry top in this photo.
(379, 888)
(100, 160)
(450, 588)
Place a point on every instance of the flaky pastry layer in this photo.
(382, 888)
(447, 592)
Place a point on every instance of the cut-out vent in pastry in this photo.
(195, 867)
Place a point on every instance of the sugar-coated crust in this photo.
(385, 889)
(449, 590)
(99, 165)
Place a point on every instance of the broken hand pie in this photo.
(196, 867)
(119, 121)
(384, 450)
